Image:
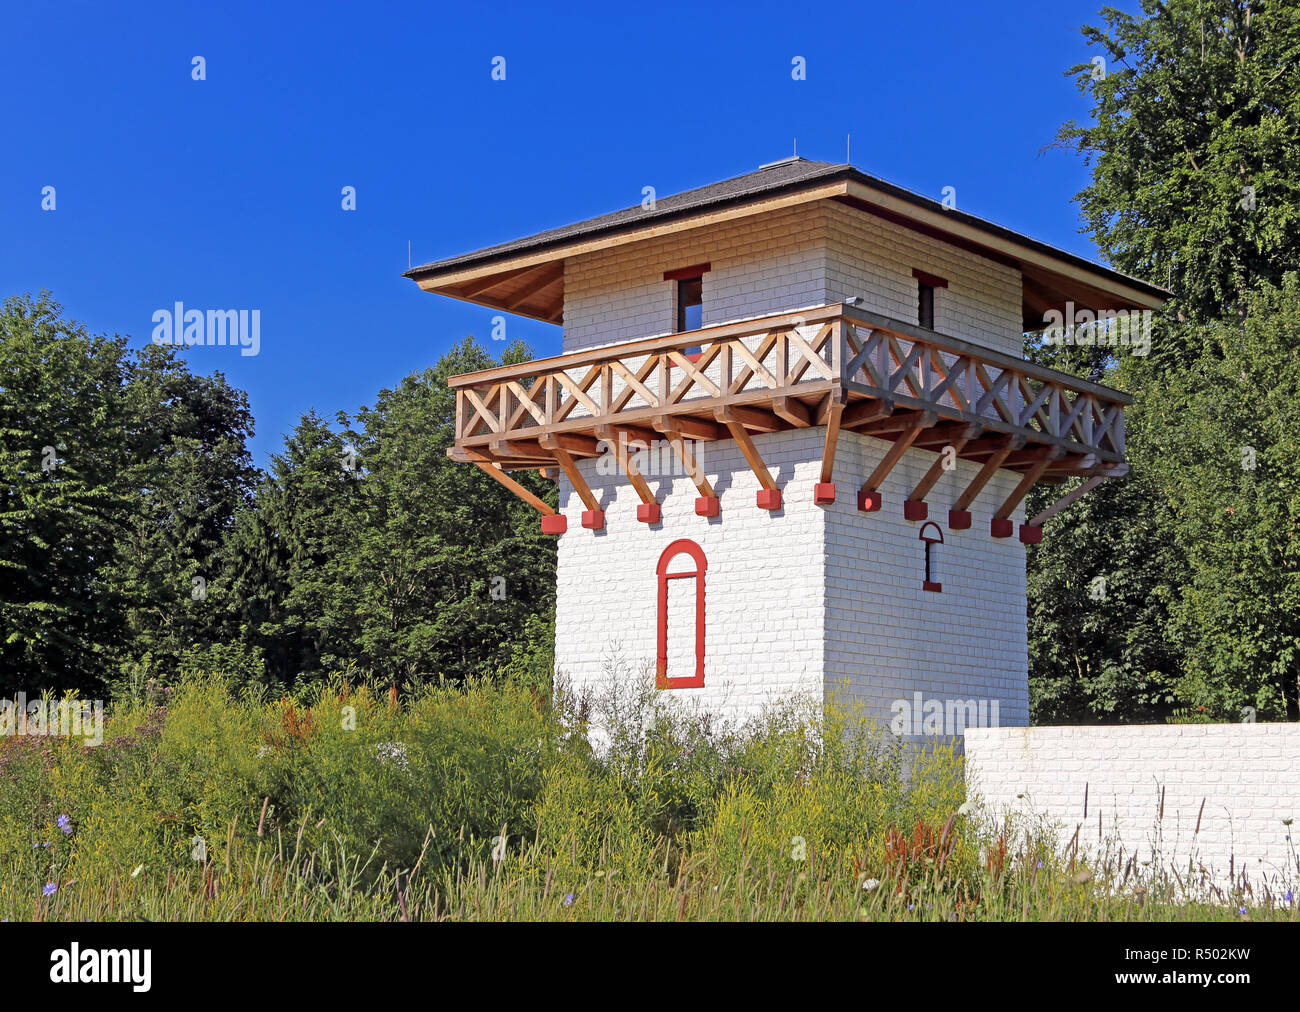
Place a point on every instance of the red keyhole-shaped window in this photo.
(689, 548)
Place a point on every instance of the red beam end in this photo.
(593, 520)
(556, 524)
(959, 520)
(824, 493)
(1031, 534)
(769, 498)
(869, 501)
(1001, 528)
(649, 512)
(707, 506)
(915, 509)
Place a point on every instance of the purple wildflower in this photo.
(568, 900)
(65, 824)
(50, 889)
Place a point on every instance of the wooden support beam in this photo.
(689, 463)
(573, 442)
(741, 435)
(892, 457)
(751, 418)
(629, 468)
(1027, 482)
(943, 435)
(862, 412)
(575, 478)
(631, 434)
(1071, 497)
(833, 418)
(494, 471)
(912, 420)
(990, 468)
(686, 425)
(957, 441)
(793, 411)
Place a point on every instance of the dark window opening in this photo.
(690, 304)
(925, 305)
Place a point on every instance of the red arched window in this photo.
(666, 571)
(932, 535)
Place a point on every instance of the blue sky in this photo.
(226, 193)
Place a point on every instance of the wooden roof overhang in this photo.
(526, 277)
(835, 366)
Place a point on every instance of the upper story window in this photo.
(688, 296)
(925, 286)
(690, 304)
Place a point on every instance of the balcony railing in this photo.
(835, 366)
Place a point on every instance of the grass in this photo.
(485, 803)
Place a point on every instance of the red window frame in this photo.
(683, 546)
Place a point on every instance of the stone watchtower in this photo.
(793, 431)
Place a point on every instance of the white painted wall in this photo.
(796, 258)
(1247, 776)
(807, 600)
(886, 637)
(762, 590)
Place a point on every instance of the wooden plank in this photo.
(741, 435)
(793, 411)
(835, 412)
(892, 457)
(753, 418)
(633, 475)
(575, 478)
(689, 464)
(986, 472)
(692, 428)
(1028, 481)
(494, 471)
(936, 470)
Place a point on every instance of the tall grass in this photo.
(485, 802)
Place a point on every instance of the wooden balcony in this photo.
(834, 366)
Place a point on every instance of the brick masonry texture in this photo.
(1243, 774)
(806, 600)
(797, 258)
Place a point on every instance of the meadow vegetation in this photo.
(486, 802)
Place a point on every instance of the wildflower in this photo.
(568, 900)
(1039, 864)
(1290, 896)
(871, 885)
(65, 824)
(1242, 911)
(50, 889)
(138, 868)
(392, 752)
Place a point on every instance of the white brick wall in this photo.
(1247, 776)
(887, 637)
(758, 266)
(874, 259)
(806, 600)
(790, 259)
(762, 589)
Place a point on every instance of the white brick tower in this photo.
(793, 431)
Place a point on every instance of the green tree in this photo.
(1225, 446)
(447, 565)
(63, 502)
(1193, 147)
